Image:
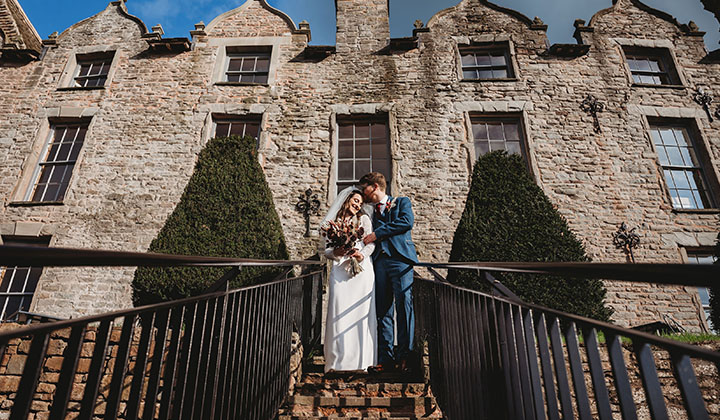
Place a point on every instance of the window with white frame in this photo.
(486, 62)
(92, 70)
(703, 257)
(18, 284)
(682, 167)
(491, 134)
(52, 175)
(651, 66)
(247, 65)
(363, 147)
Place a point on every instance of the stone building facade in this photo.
(137, 109)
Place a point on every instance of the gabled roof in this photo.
(18, 33)
(120, 5)
(245, 5)
(642, 6)
(510, 12)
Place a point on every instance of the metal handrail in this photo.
(490, 356)
(18, 255)
(701, 275)
(219, 355)
(483, 348)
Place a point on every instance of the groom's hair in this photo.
(373, 178)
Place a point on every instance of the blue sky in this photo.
(178, 16)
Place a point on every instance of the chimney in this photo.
(363, 26)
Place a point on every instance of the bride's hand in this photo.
(357, 255)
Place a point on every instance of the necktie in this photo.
(378, 207)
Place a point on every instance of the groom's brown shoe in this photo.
(403, 366)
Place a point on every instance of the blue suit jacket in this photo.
(392, 229)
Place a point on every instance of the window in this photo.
(92, 72)
(362, 147)
(651, 66)
(247, 65)
(59, 158)
(490, 135)
(229, 126)
(681, 166)
(703, 257)
(481, 63)
(19, 283)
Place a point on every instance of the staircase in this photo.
(357, 395)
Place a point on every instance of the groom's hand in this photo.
(370, 238)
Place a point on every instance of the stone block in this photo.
(28, 228)
(71, 111)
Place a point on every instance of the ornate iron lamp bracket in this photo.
(308, 204)
(704, 99)
(626, 240)
(592, 106)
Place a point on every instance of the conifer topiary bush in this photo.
(507, 217)
(715, 294)
(226, 210)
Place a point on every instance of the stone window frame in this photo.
(238, 111)
(256, 53)
(21, 196)
(690, 121)
(31, 239)
(225, 46)
(237, 118)
(500, 110)
(489, 42)
(370, 120)
(685, 253)
(661, 48)
(342, 111)
(70, 133)
(80, 55)
(499, 118)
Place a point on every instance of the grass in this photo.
(689, 338)
(692, 338)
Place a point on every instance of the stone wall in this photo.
(155, 114)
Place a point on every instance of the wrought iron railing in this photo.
(226, 354)
(493, 356)
(222, 355)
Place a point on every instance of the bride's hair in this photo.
(346, 205)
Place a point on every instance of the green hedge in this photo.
(715, 294)
(507, 217)
(226, 210)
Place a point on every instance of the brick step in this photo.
(339, 417)
(362, 406)
(362, 389)
(361, 377)
(369, 412)
(315, 401)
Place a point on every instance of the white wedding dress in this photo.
(351, 324)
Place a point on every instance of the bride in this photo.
(351, 325)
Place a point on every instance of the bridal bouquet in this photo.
(344, 236)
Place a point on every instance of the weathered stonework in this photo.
(155, 113)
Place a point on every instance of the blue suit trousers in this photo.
(393, 288)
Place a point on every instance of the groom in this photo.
(393, 261)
